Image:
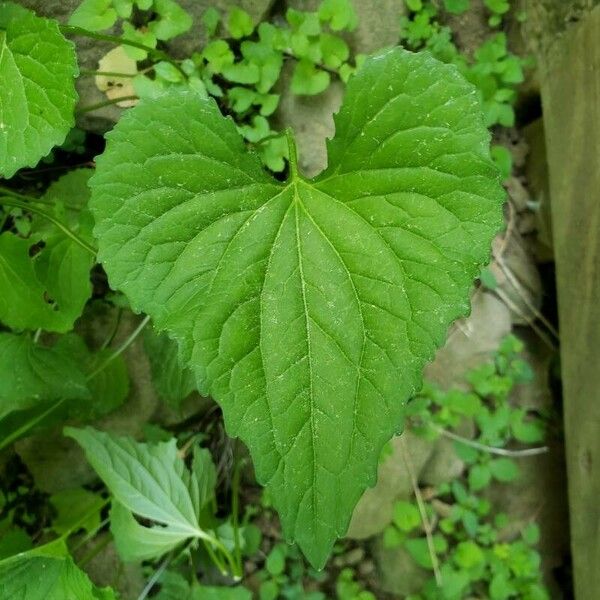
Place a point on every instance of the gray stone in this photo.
(398, 573)
(471, 341)
(375, 509)
(311, 118)
(378, 22)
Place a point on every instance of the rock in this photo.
(378, 22)
(375, 509)
(311, 118)
(470, 29)
(517, 276)
(517, 192)
(399, 574)
(471, 341)
(443, 464)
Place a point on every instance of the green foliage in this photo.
(494, 70)
(152, 482)
(34, 56)
(280, 241)
(47, 573)
(475, 556)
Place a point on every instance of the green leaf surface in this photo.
(308, 308)
(37, 96)
(34, 576)
(31, 373)
(171, 377)
(94, 15)
(47, 290)
(76, 508)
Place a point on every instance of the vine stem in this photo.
(114, 39)
(156, 576)
(292, 153)
(14, 201)
(15, 435)
(423, 512)
(489, 449)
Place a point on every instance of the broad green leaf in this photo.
(47, 290)
(150, 481)
(47, 573)
(31, 373)
(307, 308)
(173, 380)
(37, 95)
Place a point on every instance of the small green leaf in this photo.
(218, 55)
(531, 534)
(242, 72)
(168, 72)
(211, 19)
(308, 80)
(392, 538)
(479, 477)
(37, 96)
(406, 516)
(145, 37)
(468, 555)
(172, 379)
(504, 469)
(418, 549)
(174, 20)
(275, 563)
(488, 279)
(503, 158)
(31, 373)
(306, 308)
(239, 23)
(305, 23)
(334, 49)
(339, 14)
(498, 7)
(95, 15)
(457, 7)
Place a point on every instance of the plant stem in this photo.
(292, 153)
(95, 550)
(489, 449)
(235, 492)
(70, 29)
(92, 107)
(120, 349)
(155, 577)
(34, 209)
(92, 73)
(423, 512)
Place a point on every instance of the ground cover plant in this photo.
(306, 308)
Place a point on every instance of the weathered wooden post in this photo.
(569, 67)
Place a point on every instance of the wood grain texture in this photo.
(571, 101)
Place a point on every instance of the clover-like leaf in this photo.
(37, 95)
(307, 308)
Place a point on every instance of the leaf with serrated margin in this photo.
(308, 308)
(38, 67)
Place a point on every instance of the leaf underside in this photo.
(37, 95)
(307, 309)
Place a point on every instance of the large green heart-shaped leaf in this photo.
(37, 90)
(307, 309)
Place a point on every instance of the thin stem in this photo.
(92, 73)
(90, 534)
(98, 105)
(215, 558)
(155, 577)
(423, 512)
(235, 501)
(34, 209)
(120, 349)
(114, 39)
(18, 433)
(489, 449)
(292, 153)
(109, 340)
(36, 335)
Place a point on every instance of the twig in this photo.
(92, 107)
(423, 512)
(155, 577)
(489, 449)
